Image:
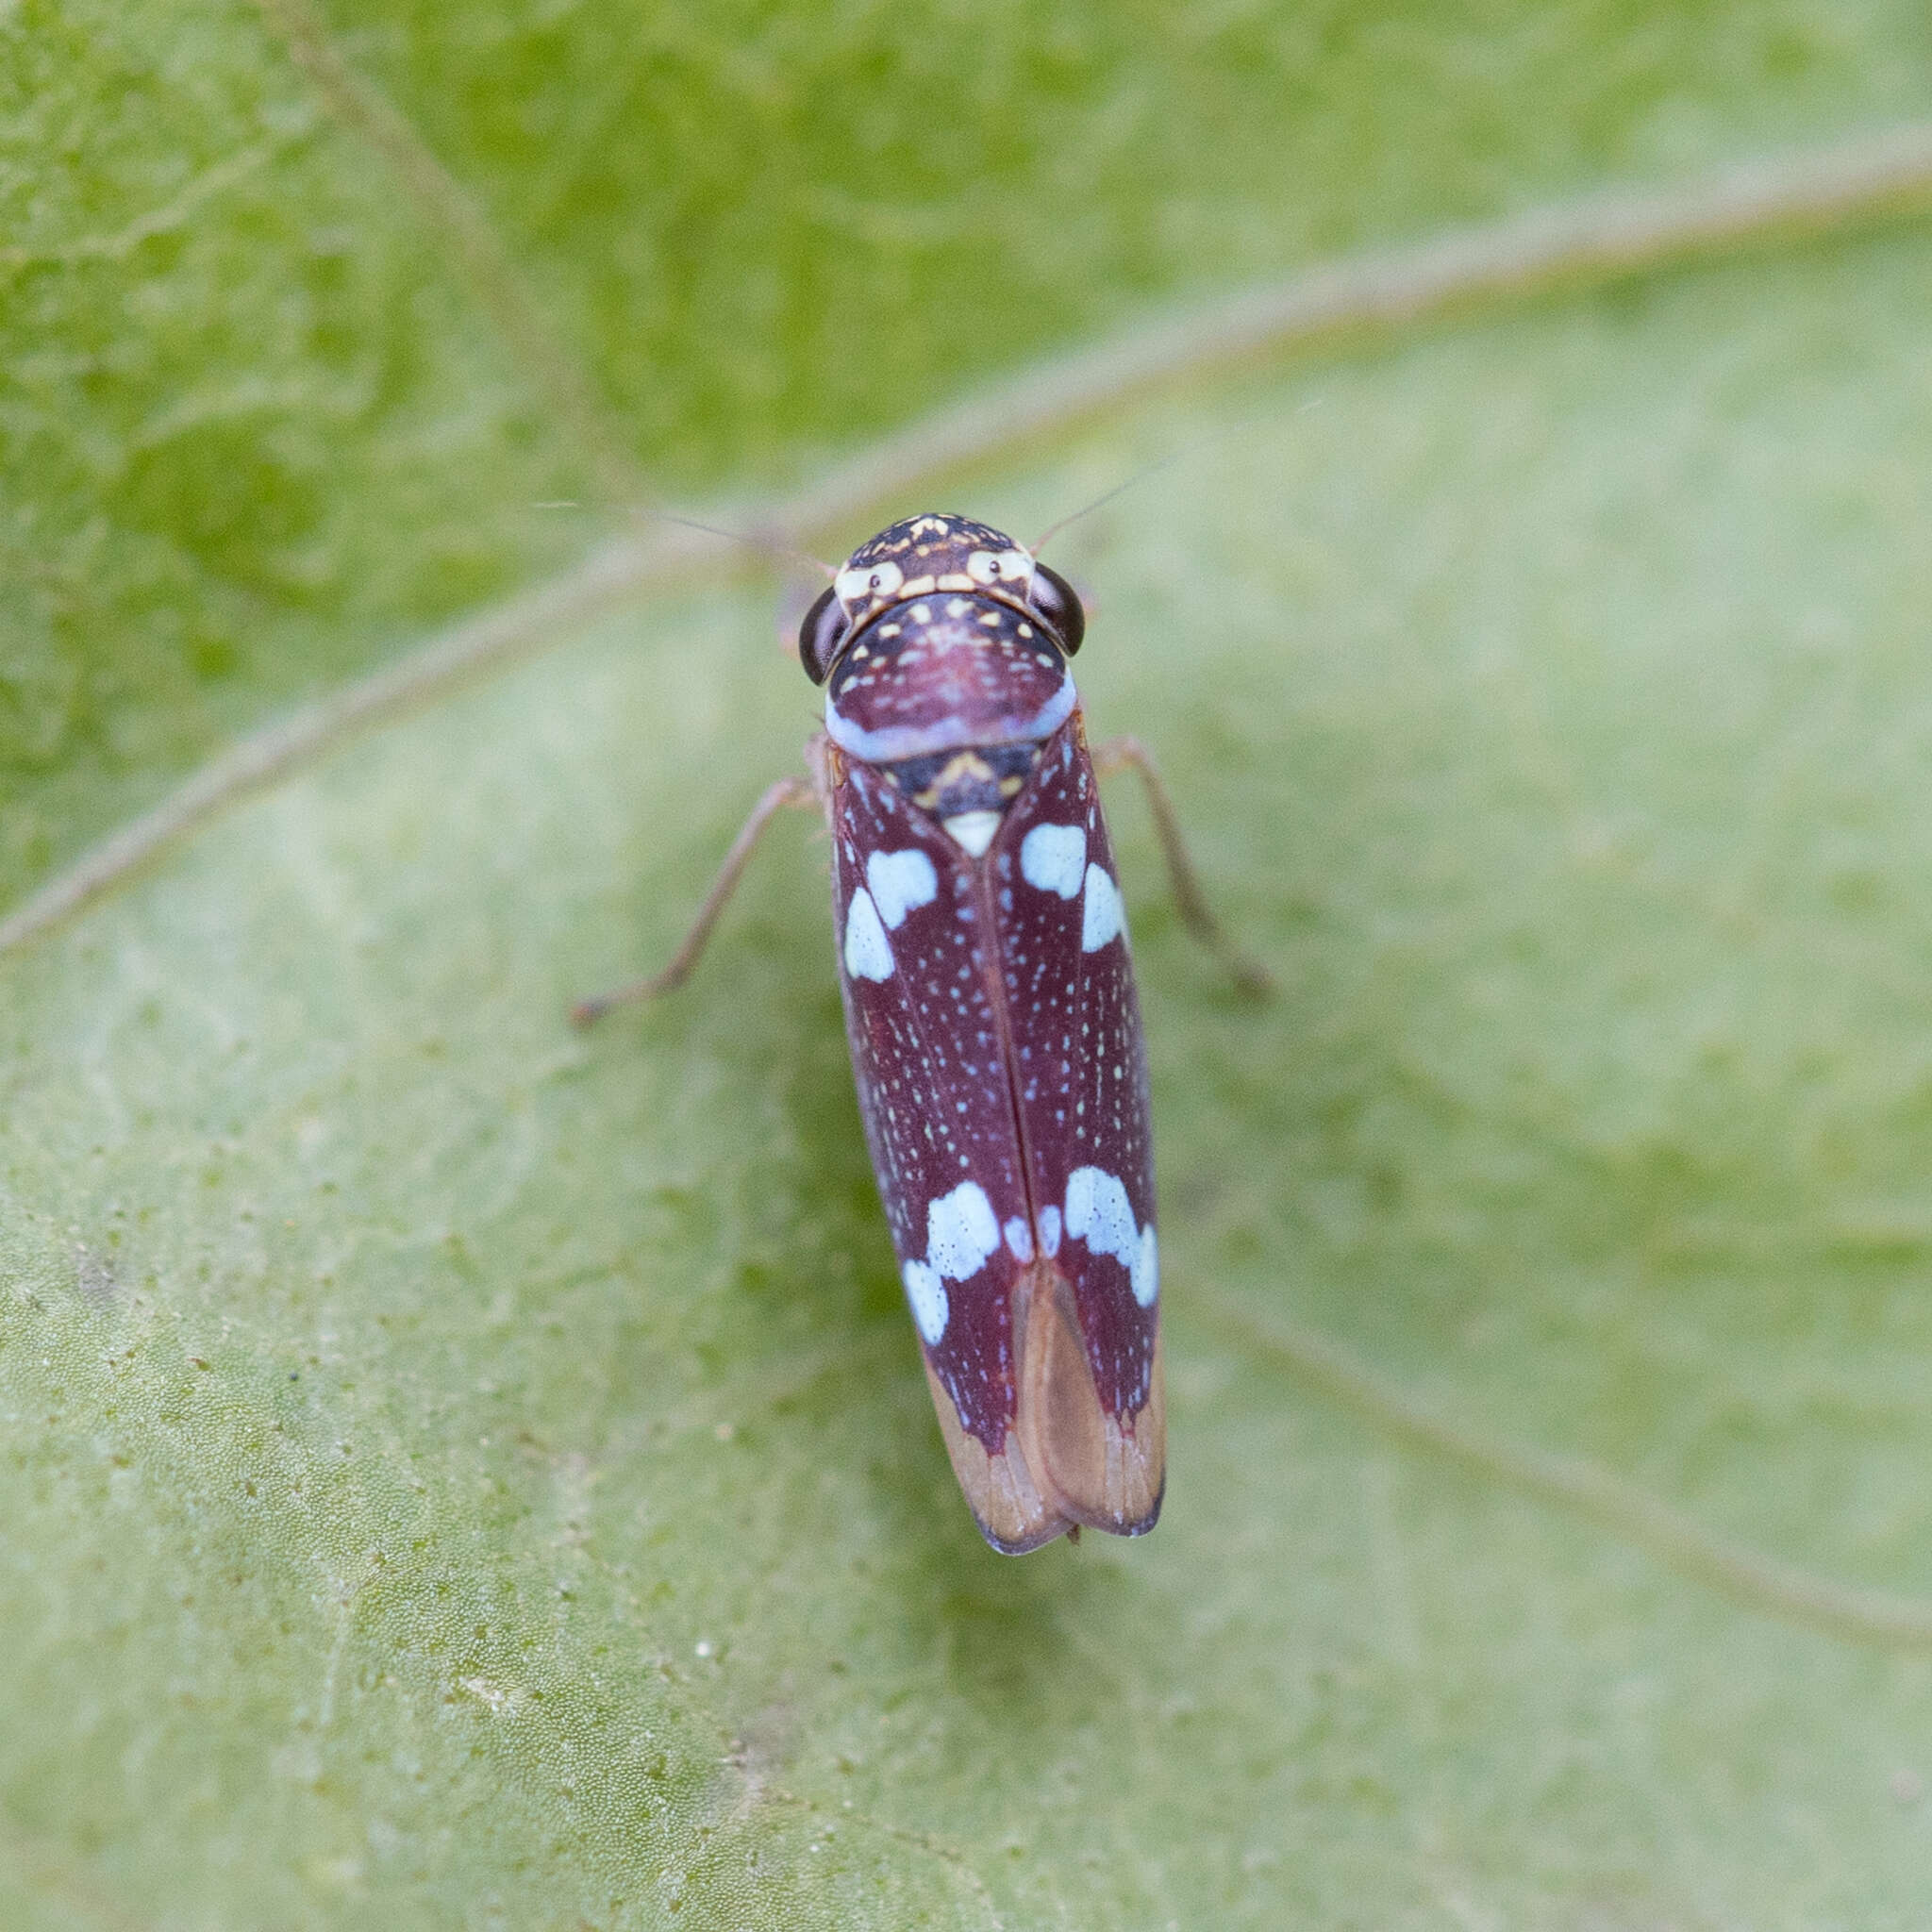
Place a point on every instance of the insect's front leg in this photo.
(787, 792)
(1196, 914)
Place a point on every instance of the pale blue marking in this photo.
(1051, 857)
(1049, 1232)
(927, 1295)
(960, 1232)
(868, 953)
(1100, 1214)
(1102, 918)
(893, 741)
(901, 882)
(1145, 1272)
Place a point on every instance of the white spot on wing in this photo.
(868, 953)
(1018, 1238)
(1100, 1214)
(1051, 857)
(1146, 1273)
(927, 1294)
(1049, 1232)
(1101, 917)
(960, 1232)
(901, 882)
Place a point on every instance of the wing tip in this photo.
(1006, 1502)
(1066, 1463)
(1106, 1471)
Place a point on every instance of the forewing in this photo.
(916, 969)
(1081, 1083)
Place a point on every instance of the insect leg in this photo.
(1195, 912)
(787, 792)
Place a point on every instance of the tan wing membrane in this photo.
(1066, 1462)
(1097, 1469)
(999, 1489)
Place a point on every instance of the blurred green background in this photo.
(458, 1472)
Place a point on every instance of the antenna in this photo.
(767, 545)
(1052, 530)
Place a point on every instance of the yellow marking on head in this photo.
(1014, 566)
(860, 581)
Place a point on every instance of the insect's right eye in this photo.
(1055, 600)
(821, 634)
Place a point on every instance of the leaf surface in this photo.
(455, 1471)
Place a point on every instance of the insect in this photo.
(990, 1006)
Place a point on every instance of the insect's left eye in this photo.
(821, 635)
(1053, 598)
(865, 580)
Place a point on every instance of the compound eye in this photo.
(999, 566)
(821, 634)
(867, 580)
(1053, 598)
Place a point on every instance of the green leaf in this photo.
(455, 1471)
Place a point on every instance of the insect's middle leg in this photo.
(1196, 914)
(787, 792)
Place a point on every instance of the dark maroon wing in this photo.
(928, 1053)
(1081, 1067)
